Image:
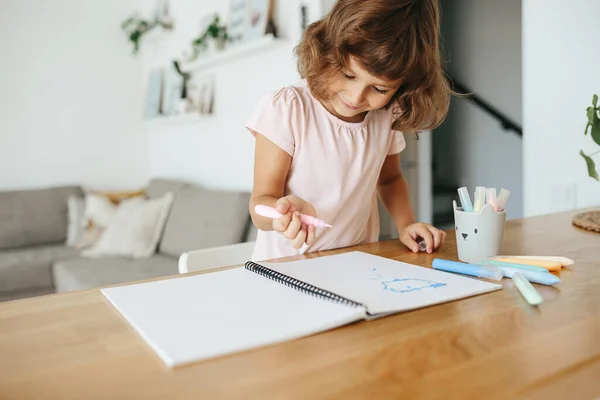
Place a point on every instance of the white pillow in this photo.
(98, 209)
(76, 226)
(134, 230)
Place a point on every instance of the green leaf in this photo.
(595, 100)
(595, 127)
(590, 115)
(591, 166)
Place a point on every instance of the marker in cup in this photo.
(465, 199)
(490, 195)
(479, 198)
(502, 199)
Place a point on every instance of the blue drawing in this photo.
(375, 277)
(374, 269)
(407, 285)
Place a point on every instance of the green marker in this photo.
(513, 265)
(527, 290)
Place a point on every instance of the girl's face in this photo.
(356, 91)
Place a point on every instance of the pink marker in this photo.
(270, 212)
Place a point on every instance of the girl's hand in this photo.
(290, 225)
(432, 236)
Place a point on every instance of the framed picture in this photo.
(173, 86)
(154, 93)
(201, 94)
(260, 13)
(238, 17)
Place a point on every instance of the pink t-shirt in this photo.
(335, 167)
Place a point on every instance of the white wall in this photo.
(561, 72)
(218, 151)
(70, 96)
(483, 46)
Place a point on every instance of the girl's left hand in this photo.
(432, 236)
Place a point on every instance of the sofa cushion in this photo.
(34, 217)
(30, 268)
(158, 187)
(202, 218)
(85, 273)
(135, 229)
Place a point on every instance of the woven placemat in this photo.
(588, 220)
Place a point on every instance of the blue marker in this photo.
(543, 278)
(488, 272)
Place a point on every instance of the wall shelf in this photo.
(176, 120)
(204, 61)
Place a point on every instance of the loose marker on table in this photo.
(496, 263)
(271, 212)
(543, 278)
(488, 272)
(527, 290)
(548, 265)
(564, 261)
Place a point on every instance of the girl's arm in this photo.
(271, 167)
(393, 192)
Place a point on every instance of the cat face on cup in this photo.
(465, 235)
(473, 230)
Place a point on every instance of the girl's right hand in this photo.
(290, 225)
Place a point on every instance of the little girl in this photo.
(328, 147)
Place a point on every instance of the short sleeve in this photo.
(277, 118)
(398, 144)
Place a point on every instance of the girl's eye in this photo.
(380, 91)
(350, 77)
(475, 230)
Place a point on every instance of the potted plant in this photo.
(183, 106)
(590, 220)
(215, 34)
(593, 125)
(135, 27)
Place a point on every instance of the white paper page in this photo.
(202, 316)
(383, 285)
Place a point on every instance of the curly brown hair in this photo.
(391, 39)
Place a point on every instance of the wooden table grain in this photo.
(76, 346)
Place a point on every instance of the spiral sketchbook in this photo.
(199, 317)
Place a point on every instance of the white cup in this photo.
(478, 234)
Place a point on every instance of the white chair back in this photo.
(216, 257)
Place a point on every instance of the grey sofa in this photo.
(34, 259)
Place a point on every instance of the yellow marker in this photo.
(549, 265)
(564, 261)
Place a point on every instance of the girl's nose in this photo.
(357, 98)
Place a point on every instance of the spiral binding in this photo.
(299, 285)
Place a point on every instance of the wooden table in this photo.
(76, 346)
